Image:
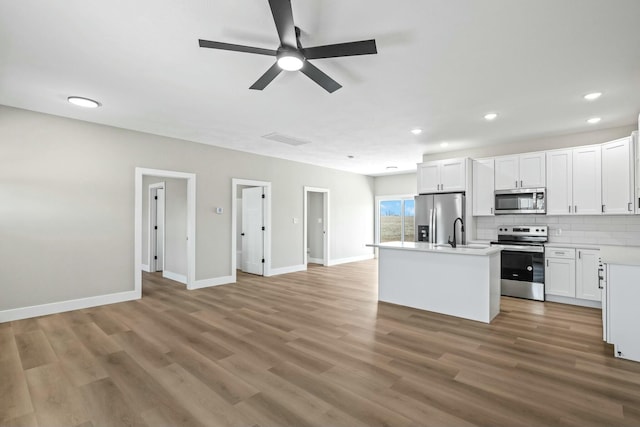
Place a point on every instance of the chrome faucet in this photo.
(453, 243)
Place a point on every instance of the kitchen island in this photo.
(462, 281)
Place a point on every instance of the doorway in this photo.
(156, 225)
(316, 226)
(250, 227)
(139, 229)
(252, 230)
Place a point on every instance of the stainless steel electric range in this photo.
(522, 271)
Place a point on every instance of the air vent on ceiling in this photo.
(285, 139)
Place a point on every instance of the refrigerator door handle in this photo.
(431, 226)
(435, 225)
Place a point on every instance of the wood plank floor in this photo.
(310, 349)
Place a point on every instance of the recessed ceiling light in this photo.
(594, 120)
(490, 116)
(592, 96)
(83, 102)
(392, 167)
(416, 131)
(444, 144)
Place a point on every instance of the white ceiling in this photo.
(441, 65)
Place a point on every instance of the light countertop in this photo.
(443, 249)
(627, 255)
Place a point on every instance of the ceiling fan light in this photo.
(290, 62)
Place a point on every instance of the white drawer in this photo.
(558, 252)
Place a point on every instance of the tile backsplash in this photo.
(603, 230)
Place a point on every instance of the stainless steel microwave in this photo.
(520, 201)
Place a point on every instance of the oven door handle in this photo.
(516, 248)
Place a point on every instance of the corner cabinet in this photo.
(617, 177)
(521, 171)
(442, 176)
(483, 187)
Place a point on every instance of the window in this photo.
(395, 219)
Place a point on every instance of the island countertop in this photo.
(472, 249)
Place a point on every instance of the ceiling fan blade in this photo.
(236, 47)
(267, 77)
(283, 17)
(319, 77)
(364, 47)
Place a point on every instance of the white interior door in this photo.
(253, 230)
(159, 231)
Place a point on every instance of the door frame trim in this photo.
(325, 202)
(235, 183)
(191, 223)
(150, 262)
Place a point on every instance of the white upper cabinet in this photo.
(442, 176)
(428, 177)
(560, 182)
(507, 173)
(617, 177)
(532, 170)
(520, 171)
(587, 180)
(483, 187)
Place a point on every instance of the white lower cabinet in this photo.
(587, 286)
(623, 295)
(572, 273)
(560, 272)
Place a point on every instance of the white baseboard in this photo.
(350, 259)
(60, 307)
(174, 276)
(315, 260)
(286, 270)
(145, 267)
(573, 301)
(214, 281)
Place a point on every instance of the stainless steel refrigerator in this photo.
(435, 217)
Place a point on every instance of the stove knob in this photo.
(537, 229)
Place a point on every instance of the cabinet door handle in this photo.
(569, 208)
(491, 211)
(520, 183)
(629, 206)
(603, 208)
(579, 254)
(547, 263)
(516, 183)
(575, 209)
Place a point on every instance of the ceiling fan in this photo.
(291, 56)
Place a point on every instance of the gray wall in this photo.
(66, 221)
(396, 185)
(314, 228)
